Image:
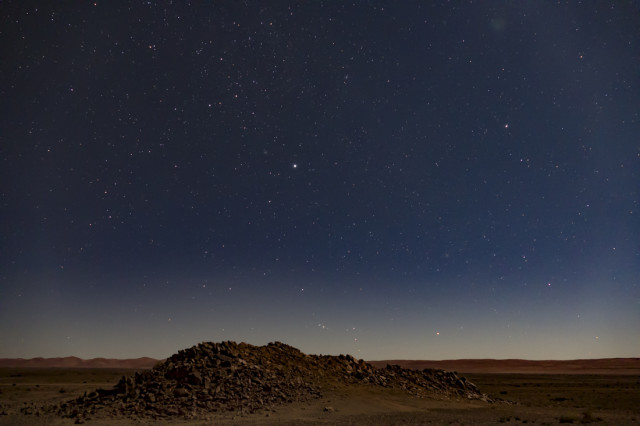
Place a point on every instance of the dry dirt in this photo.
(537, 399)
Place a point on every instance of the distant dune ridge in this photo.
(578, 366)
(75, 362)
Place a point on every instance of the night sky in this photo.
(426, 180)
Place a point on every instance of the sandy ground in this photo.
(535, 399)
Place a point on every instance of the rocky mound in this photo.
(229, 376)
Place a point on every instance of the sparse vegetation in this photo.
(588, 417)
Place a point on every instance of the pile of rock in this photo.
(229, 376)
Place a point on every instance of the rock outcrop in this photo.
(229, 376)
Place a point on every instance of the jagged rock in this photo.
(229, 376)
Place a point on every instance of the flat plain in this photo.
(528, 398)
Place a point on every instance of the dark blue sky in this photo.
(388, 180)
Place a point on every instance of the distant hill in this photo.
(75, 362)
(578, 366)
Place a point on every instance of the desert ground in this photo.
(530, 399)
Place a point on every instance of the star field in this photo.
(411, 180)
